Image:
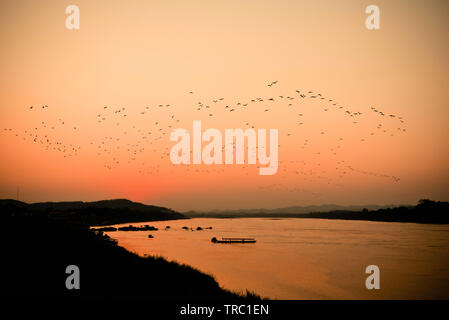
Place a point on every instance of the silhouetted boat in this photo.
(233, 240)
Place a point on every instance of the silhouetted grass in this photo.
(38, 250)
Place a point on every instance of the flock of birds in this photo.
(140, 138)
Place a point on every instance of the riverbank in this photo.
(38, 249)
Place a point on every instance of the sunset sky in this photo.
(133, 56)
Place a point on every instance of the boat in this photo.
(233, 240)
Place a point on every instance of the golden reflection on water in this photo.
(306, 258)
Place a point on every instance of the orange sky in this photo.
(139, 54)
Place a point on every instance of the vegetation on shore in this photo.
(426, 211)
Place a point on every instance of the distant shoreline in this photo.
(118, 211)
(304, 216)
(426, 211)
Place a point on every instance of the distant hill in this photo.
(102, 212)
(284, 212)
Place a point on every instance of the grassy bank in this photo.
(37, 250)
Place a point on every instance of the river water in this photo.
(306, 258)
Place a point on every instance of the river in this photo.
(306, 258)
